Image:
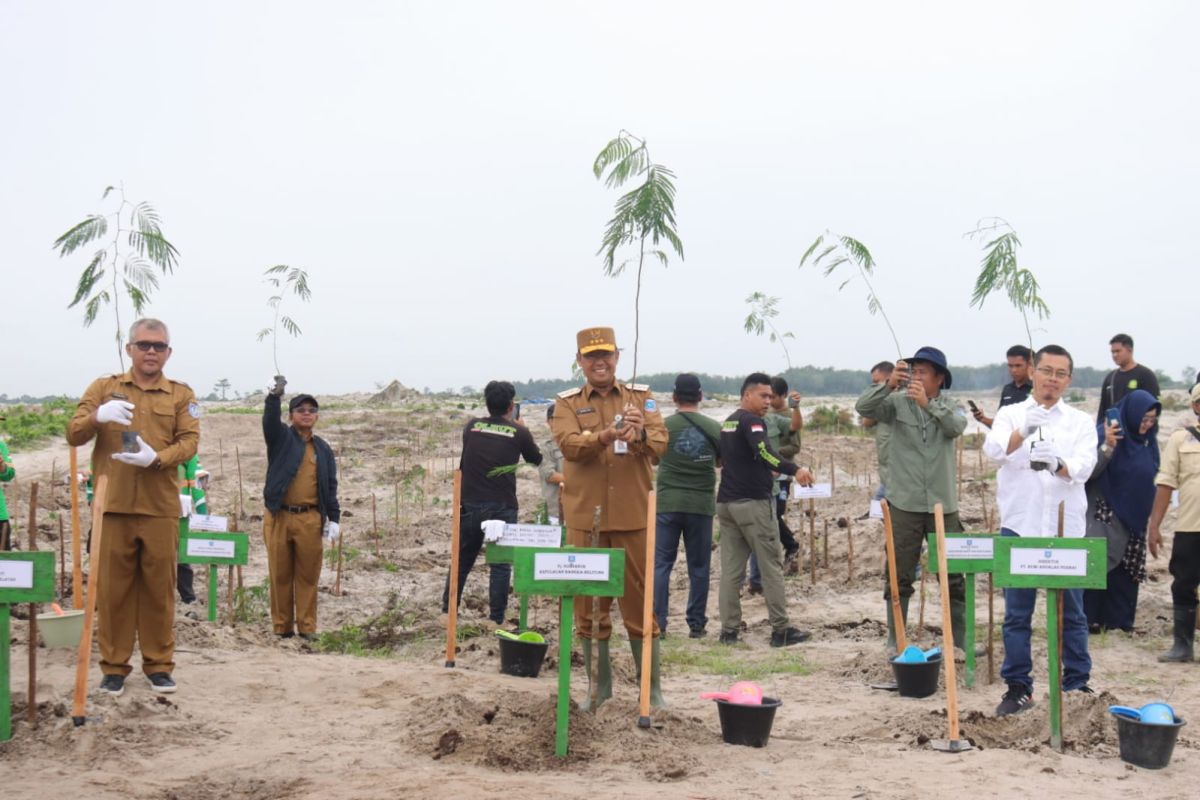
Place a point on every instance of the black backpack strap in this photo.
(1195, 431)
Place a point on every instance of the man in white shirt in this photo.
(1046, 451)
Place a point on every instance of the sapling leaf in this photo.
(851, 250)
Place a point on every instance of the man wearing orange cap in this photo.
(610, 434)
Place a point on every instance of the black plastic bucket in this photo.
(523, 659)
(1146, 744)
(746, 724)
(917, 678)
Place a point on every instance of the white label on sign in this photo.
(210, 548)
(817, 490)
(208, 522)
(570, 566)
(876, 511)
(971, 547)
(1037, 561)
(15, 575)
(531, 536)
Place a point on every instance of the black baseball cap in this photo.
(303, 398)
(687, 384)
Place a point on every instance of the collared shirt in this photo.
(302, 491)
(552, 462)
(1029, 498)
(748, 463)
(596, 475)
(167, 418)
(1180, 469)
(1012, 394)
(782, 438)
(921, 468)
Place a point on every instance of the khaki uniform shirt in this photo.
(595, 474)
(167, 418)
(302, 491)
(1180, 469)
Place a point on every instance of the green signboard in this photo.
(204, 547)
(1045, 562)
(966, 553)
(26, 577)
(569, 571)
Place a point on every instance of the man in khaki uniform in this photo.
(300, 494)
(136, 570)
(608, 463)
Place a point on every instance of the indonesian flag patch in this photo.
(756, 428)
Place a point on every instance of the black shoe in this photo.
(754, 589)
(113, 684)
(697, 633)
(287, 635)
(1085, 689)
(864, 516)
(308, 637)
(728, 637)
(161, 682)
(791, 555)
(1095, 627)
(1015, 700)
(788, 637)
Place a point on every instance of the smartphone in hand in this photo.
(1113, 417)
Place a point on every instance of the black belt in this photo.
(298, 509)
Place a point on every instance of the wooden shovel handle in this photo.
(893, 583)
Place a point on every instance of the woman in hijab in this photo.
(1120, 495)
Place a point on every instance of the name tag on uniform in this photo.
(620, 446)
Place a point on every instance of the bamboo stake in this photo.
(337, 581)
(229, 594)
(593, 648)
(991, 622)
(825, 544)
(31, 708)
(893, 582)
(397, 507)
(452, 608)
(221, 454)
(241, 509)
(76, 535)
(647, 617)
(849, 551)
(374, 525)
(79, 709)
(62, 559)
(924, 575)
(812, 542)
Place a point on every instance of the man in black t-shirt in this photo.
(492, 449)
(746, 509)
(1128, 375)
(1020, 360)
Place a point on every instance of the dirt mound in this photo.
(394, 392)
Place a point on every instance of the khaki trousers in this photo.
(631, 603)
(294, 559)
(136, 592)
(749, 526)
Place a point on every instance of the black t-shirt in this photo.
(747, 459)
(1117, 384)
(1012, 394)
(492, 449)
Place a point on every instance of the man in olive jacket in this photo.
(302, 507)
(921, 469)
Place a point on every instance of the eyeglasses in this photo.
(158, 347)
(304, 410)
(1057, 374)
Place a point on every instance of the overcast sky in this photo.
(429, 164)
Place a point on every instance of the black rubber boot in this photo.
(1183, 650)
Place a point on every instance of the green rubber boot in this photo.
(958, 623)
(891, 626)
(1183, 650)
(603, 676)
(656, 696)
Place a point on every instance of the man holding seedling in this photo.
(784, 422)
(921, 470)
(302, 509)
(492, 449)
(611, 434)
(1046, 451)
(145, 425)
(746, 504)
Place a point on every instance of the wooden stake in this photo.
(62, 559)
(31, 708)
(79, 709)
(921, 607)
(229, 594)
(452, 613)
(647, 617)
(241, 509)
(893, 582)
(832, 475)
(76, 536)
(991, 617)
(337, 581)
(849, 551)
(812, 542)
(396, 524)
(593, 648)
(374, 525)
(221, 454)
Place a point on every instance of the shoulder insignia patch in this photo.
(566, 394)
(651, 405)
(194, 410)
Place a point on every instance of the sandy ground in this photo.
(257, 717)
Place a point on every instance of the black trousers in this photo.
(1185, 568)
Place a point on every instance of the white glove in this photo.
(1035, 418)
(1044, 453)
(144, 457)
(185, 505)
(330, 534)
(118, 411)
(493, 529)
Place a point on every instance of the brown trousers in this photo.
(136, 592)
(631, 603)
(294, 559)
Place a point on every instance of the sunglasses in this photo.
(158, 347)
(304, 410)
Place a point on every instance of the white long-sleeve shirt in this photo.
(1029, 498)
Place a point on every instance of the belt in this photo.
(298, 509)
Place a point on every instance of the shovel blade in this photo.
(951, 745)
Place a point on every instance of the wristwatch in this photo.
(1104, 448)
